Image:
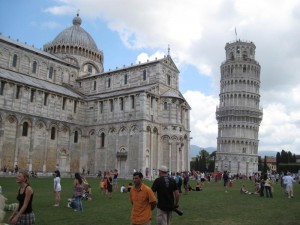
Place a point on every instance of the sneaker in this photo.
(56, 205)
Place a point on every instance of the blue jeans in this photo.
(78, 203)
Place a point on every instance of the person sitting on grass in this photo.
(199, 186)
(123, 189)
(243, 190)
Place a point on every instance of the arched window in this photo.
(165, 106)
(50, 73)
(25, 129)
(121, 104)
(231, 56)
(76, 137)
(132, 101)
(169, 79)
(90, 68)
(15, 59)
(95, 85)
(32, 93)
(75, 106)
(245, 55)
(108, 83)
(125, 78)
(53, 133)
(34, 66)
(64, 103)
(2, 87)
(144, 75)
(244, 68)
(111, 103)
(102, 139)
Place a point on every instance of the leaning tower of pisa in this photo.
(238, 114)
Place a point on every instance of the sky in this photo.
(196, 32)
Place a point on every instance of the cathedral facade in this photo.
(239, 114)
(59, 109)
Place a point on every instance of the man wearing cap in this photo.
(143, 200)
(167, 196)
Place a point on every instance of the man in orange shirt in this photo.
(143, 200)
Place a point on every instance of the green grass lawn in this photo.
(212, 206)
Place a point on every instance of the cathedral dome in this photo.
(76, 46)
(75, 36)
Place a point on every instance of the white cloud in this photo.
(203, 122)
(59, 10)
(197, 31)
(144, 57)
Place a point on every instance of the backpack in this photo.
(179, 181)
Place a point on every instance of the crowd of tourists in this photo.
(163, 195)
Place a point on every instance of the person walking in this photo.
(115, 180)
(268, 187)
(109, 184)
(143, 201)
(78, 191)
(178, 180)
(24, 214)
(167, 196)
(225, 179)
(186, 182)
(261, 185)
(288, 181)
(57, 188)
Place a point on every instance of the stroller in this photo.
(85, 195)
(87, 192)
(71, 203)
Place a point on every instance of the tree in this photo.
(265, 166)
(212, 161)
(284, 157)
(196, 164)
(204, 157)
(260, 165)
(278, 160)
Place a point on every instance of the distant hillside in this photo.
(194, 151)
(267, 153)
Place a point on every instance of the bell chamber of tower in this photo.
(238, 114)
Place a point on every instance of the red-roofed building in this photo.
(271, 163)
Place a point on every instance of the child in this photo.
(199, 186)
(101, 186)
(123, 189)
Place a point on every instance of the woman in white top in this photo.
(57, 187)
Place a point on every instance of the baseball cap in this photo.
(163, 169)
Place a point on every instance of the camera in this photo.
(178, 211)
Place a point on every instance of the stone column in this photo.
(16, 152)
(45, 134)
